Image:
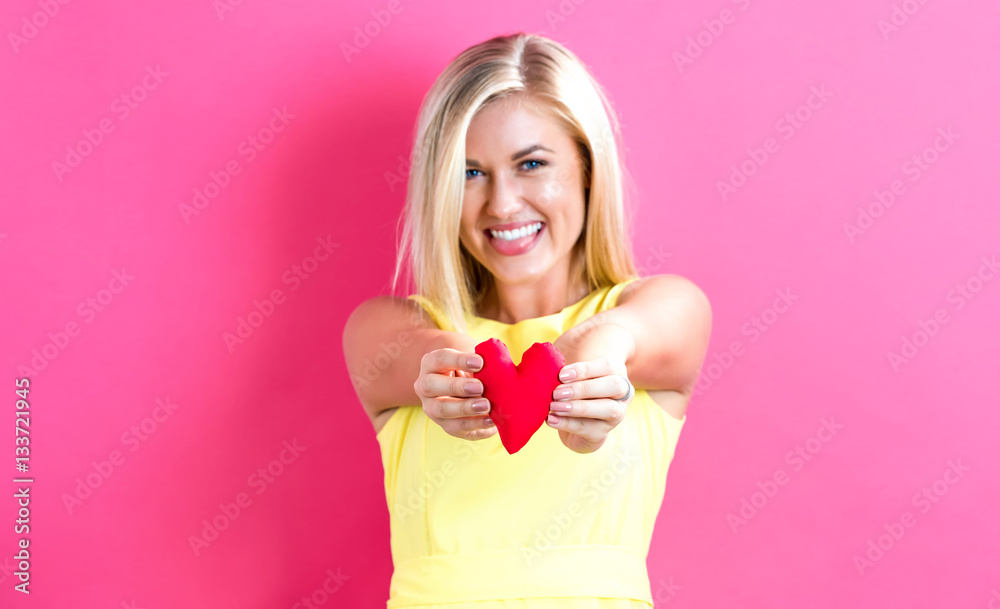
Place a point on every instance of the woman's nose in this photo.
(504, 197)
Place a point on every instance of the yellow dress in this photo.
(473, 527)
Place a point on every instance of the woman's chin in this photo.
(518, 274)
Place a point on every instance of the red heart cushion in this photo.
(519, 395)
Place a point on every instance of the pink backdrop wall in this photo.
(825, 171)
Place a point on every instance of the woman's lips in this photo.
(515, 247)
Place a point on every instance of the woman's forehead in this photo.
(514, 125)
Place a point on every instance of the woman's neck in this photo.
(512, 303)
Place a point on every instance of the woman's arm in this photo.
(660, 328)
(663, 325)
(657, 336)
(384, 340)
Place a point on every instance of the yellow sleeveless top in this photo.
(473, 527)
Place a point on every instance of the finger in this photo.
(607, 410)
(440, 385)
(470, 428)
(444, 360)
(613, 386)
(593, 368)
(450, 408)
(592, 430)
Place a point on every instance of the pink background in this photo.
(826, 356)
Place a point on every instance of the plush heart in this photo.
(519, 395)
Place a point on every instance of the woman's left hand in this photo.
(585, 409)
(589, 413)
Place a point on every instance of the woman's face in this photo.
(523, 174)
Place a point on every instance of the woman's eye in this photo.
(529, 165)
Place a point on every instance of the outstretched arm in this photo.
(657, 336)
(663, 324)
(384, 341)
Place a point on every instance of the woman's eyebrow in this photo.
(528, 151)
(514, 156)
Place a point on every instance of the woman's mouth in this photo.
(517, 241)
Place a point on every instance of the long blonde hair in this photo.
(441, 269)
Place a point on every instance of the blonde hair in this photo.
(441, 269)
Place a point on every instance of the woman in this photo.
(515, 230)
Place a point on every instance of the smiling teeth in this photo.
(517, 233)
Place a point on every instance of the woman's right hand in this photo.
(451, 396)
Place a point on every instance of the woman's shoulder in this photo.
(379, 308)
(665, 286)
(387, 306)
(385, 315)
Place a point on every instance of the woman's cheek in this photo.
(549, 191)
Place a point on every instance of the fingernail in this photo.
(473, 387)
(567, 375)
(561, 406)
(561, 394)
(552, 420)
(481, 406)
(488, 422)
(474, 362)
